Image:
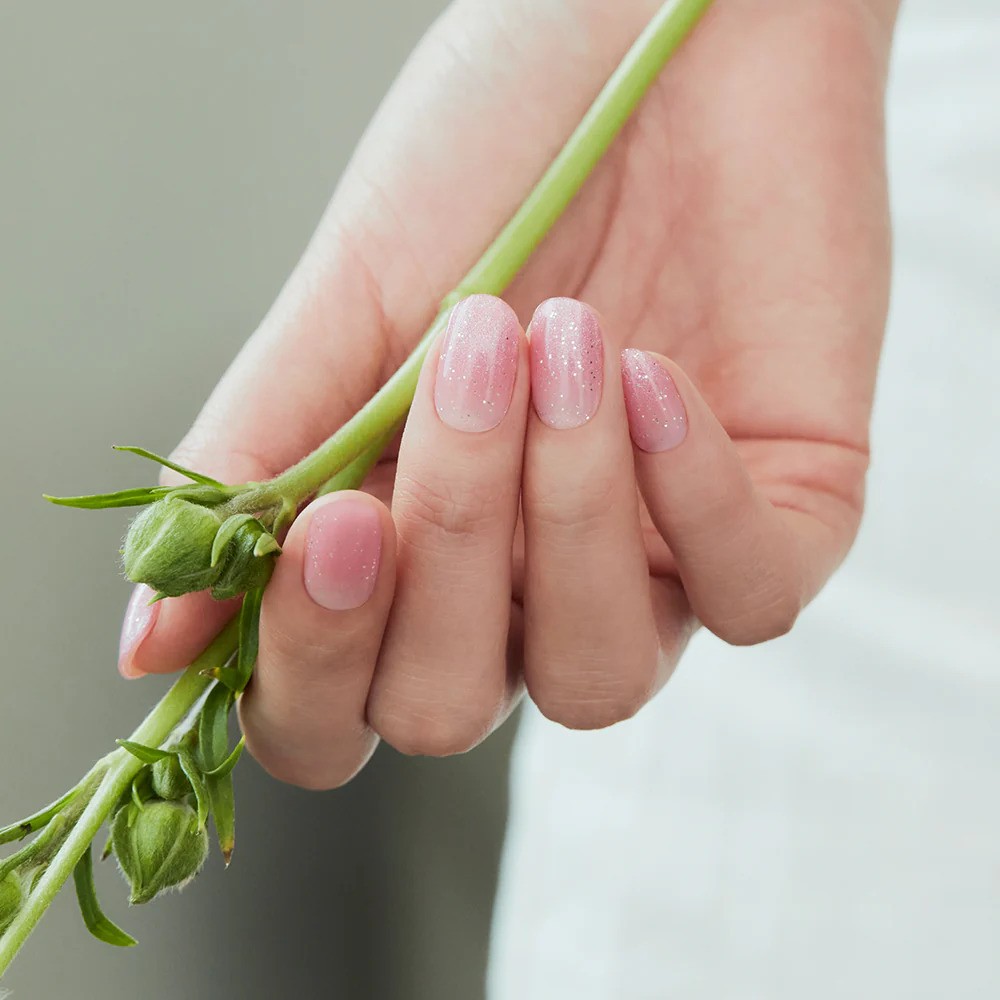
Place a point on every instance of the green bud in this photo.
(169, 779)
(169, 547)
(159, 847)
(241, 568)
(11, 899)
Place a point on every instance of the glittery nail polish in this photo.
(477, 365)
(140, 617)
(567, 363)
(343, 551)
(656, 415)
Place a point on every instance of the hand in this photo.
(738, 227)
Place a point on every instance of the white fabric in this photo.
(820, 817)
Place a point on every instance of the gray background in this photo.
(161, 168)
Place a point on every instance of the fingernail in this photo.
(140, 617)
(477, 365)
(342, 553)
(567, 363)
(656, 416)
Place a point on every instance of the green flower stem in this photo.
(354, 448)
(121, 767)
(352, 475)
(511, 249)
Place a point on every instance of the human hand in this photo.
(738, 227)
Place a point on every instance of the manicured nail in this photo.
(342, 553)
(477, 365)
(567, 363)
(140, 617)
(656, 415)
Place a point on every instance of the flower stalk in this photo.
(208, 535)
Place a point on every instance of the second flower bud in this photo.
(177, 547)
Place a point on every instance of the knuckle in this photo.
(594, 702)
(311, 758)
(578, 509)
(768, 621)
(453, 511)
(308, 776)
(425, 734)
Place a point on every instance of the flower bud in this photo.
(169, 780)
(169, 547)
(158, 847)
(11, 899)
(242, 568)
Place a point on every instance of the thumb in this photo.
(291, 386)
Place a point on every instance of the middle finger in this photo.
(442, 684)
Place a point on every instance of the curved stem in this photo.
(514, 245)
(175, 706)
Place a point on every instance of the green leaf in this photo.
(204, 496)
(249, 634)
(226, 767)
(213, 738)
(220, 792)
(148, 755)
(139, 497)
(137, 794)
(191, 770)
(93, 916)
(225, 534)
(213, 728)
(265, 545)
(18, 831)
(237, 677)
(153, 457)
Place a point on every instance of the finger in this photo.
(168, 634)
(321, 625)
(441, 683)
(592, 654)
(747, 566)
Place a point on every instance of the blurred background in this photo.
(814, 818)
(161, 169)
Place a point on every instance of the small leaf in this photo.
(137, 794)
(103, 501)
(213, 728)
(190, 768)
(220, 792)
(18, 831)
(93, 916)
(266, 544)
(226, 767)
(249, 634)
(148, 755)
(153, 457)
(204, 496)
(237, 677)
(225, 534)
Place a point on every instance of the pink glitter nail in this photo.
(567, 363)
(656, 414)
(477, 366)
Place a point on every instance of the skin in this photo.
(738, 228)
